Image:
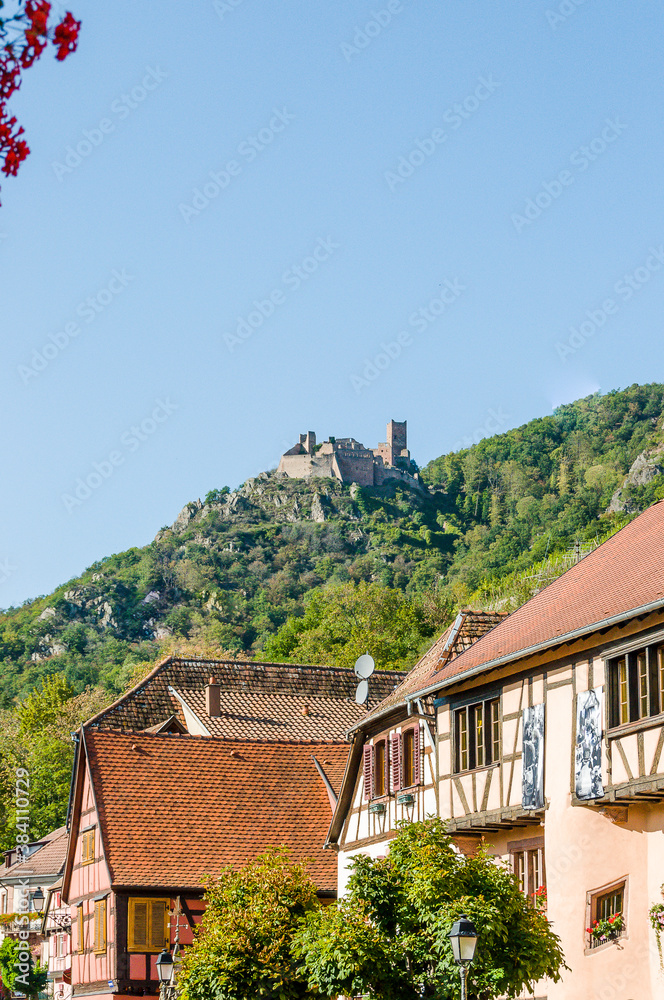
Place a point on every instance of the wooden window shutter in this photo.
(367, 770)
(417, 764)
(100, 926)
(395, 760)
(81, 929)
(158, 925)
(87, 847)
(138, 924)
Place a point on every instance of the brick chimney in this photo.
(212, 699)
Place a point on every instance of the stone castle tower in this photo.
(349, 461)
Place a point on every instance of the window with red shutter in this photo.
(417, 763)
(380, 775)
(367, 770)
(395, 761)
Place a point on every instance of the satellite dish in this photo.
(364, 666)
(362, 692)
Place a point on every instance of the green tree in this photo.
(345, 620)
(36, 736)
(388, 937)
(243, 947)
(18, 971)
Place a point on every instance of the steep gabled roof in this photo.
(48, 859)
(621, 578)
(173, 808)
(466, 629)
(269, 701)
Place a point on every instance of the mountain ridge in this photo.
(241, 570)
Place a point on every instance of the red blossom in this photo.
(20, 54)
(14, 157)
(37, 12)
(13, 149)
(10, 75)
(66, 35)
(34, 47)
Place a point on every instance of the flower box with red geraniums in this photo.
(606, 930)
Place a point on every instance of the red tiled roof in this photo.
(258, 700)
(48, 859)
(621, 576)
(173, 808)
(466, 629)
(251, 714)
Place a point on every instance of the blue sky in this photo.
(244, 220)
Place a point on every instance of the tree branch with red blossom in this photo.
(23, 38)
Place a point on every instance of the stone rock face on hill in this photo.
(187, 514)
(643, 470)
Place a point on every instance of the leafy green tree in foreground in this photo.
(388, 937)
(243, 948)
(16, 979)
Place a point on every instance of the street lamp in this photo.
(464, 941)
(38, 900)
(165, 966)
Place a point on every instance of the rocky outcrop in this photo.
(105, 612)
(317, 509)
(643, 470)
(187, 514)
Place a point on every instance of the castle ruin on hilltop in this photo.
(349, 461)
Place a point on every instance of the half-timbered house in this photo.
(550, 737)
(152, 814)
(391, 775)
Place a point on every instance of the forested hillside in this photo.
(313, 570)
(320, 572)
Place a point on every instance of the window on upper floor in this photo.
(406, 753)
(88, 847)
(389, 766)
(149, 925)
(477, 735)
(100, 926)
(635, 685)
(380, 776)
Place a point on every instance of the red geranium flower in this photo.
(37, 11)
(10, 75)
(66, 36)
